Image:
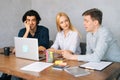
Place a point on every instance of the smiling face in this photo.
(90, 24)
(31, 20)
(64, 23)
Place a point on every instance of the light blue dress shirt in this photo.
(70, 42)
(101, 46)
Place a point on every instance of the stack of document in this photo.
(96, 65)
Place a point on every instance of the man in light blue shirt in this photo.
(101, 44)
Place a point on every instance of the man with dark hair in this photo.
(31, 20)
(101, 44)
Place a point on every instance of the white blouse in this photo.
(70, 42)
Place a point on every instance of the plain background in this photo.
(11, 12)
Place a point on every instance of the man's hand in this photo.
(27, 26)
(68, 55)
(41, 49)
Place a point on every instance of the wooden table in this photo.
(11, 65)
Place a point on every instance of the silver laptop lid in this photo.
(26, 48)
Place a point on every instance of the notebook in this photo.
(96, 65)
(27, 48)
(77, 71)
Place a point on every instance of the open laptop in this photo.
(27, 48)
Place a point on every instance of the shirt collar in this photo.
(67, 33)
(94, 34)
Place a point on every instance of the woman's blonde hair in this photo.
(71, 27)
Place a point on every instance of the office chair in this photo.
(83, 48)
(50, 43)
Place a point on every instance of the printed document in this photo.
(36, 66)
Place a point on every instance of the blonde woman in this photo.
(68, 38)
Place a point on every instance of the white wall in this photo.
(11, 12)
(74, 8)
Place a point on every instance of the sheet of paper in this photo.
(96, 65)
(36, 66)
